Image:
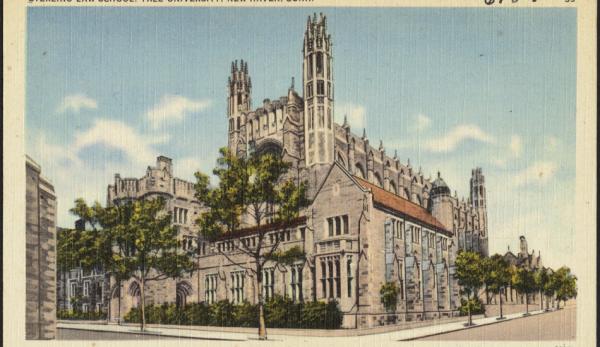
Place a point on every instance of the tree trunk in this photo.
(501, 306)
(469, 309)
(262, 327)
(119, 313)
(526, 303)
(541, 301)
(143, 303)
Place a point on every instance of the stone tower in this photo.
(318, 92)
(441, 202)
(479, 202)
(238, 102)
(523, 251)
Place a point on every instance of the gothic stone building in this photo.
(372, 219)
(40, 264)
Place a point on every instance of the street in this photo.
(557, 325)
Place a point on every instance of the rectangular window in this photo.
(329, 90)
(320, 87)
(330, 224)
(237, 287)
(330, 278)
(210, 288)
(321, 115)
(338, 288)
(324, 279)
(311, 118)
(401, 279)
(328, 118)
(350, 275)
(296, 282)
(86, 288)
(338, 226)
(268, 281)
(346, 228)
(73, 288)
(85, 308)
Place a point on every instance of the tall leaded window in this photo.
(346, 227)
(350, 275)
(338, 226)
(324, 279)
(330, 278)
(321, 115)
(338, 288)
(237, 286)
(210, 288)
(296, 282)
(268, 283)
(401, 279)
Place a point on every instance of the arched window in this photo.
(319, 64)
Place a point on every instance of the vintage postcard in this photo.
(182, 173)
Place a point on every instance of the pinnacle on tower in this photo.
(381, 145)
(364, 133)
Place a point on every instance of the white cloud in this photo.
(456, 136)
(118, 135)
(173, 108)
(516, 146)
(76, 102)
(421, 122)
(356, 115)
(539, 173)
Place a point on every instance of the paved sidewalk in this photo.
(274, 334)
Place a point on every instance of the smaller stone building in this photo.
(40, 264)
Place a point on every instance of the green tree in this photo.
(565, 285)
(524, 283)
(497, 277)
(134, 239)
(469, 275)
(154, 254)
(257, 187)
(541, 278)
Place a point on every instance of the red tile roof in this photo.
(401, 205)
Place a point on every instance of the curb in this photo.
(152, 333)
(475, 326)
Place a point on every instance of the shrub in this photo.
(222, 313)
(246, 315)
(280, 312)
(198, 314)
(79, 315)
(476, 307)
(389, 296)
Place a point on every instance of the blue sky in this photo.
(109, 89)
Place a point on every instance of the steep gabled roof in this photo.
(394, 202)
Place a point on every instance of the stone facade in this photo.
(159, 181)
(372, 219)
(40, 264)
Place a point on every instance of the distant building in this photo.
(85, 291)
(523, 258)
(40, 263)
